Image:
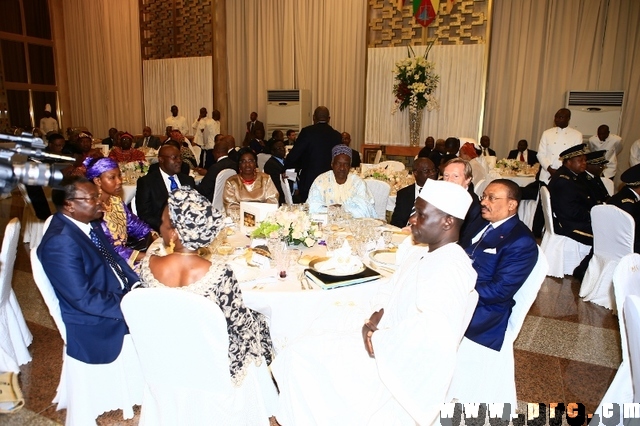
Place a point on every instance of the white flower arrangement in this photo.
(415, 82)
(396, 179)
(135, 166)
(295, 227)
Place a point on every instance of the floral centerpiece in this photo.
(508, 166)
(294, 226)
(396, 179)
(415, 82)
(141, 167)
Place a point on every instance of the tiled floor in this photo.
(568, 350)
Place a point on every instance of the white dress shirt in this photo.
(552, 143)
(178, 123)
(613, 146)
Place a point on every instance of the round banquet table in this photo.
(522, 181)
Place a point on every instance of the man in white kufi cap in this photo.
(48, 123)
(396, 368)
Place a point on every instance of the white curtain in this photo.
(102, 42)
(461, 69)
(542, 49)
(288, 44)
(184, 82)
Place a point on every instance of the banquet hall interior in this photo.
(505, 67)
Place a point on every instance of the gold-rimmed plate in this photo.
(319, 266)
(386, 258)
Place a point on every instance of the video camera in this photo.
(29, 173)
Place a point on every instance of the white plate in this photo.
(385, 258)
(317, 265)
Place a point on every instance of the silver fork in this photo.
(304, 277)
(300, 278)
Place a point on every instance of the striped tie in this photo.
(413, 208)
(110, 259)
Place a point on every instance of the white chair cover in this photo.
(392, 165)
(218, 190)
(632, 318)
(134, 208)
(286, 190)
(183, 345)
(32, 226)
(14, 333)
(477, 170)
(608, 183)
(380, 191)
(197, 152)
(625, 284)
(88, 390)
(527, 211)
(482, 185)
(563, 253)
(613, 235)
(483, 374)
(378, 157)
(262, 160)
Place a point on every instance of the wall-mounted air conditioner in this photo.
(288, 109)
(589, 110)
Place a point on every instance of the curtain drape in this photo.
(184, 82)
(321, 47)
(461, 73)
(102, 43)
(542, 49)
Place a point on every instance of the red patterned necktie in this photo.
(521, 156)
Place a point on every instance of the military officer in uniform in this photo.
(596, 163)
(628, 199)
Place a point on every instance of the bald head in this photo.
(321, 114)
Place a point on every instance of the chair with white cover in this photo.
(632, 318)
(482, 185)
(380, 191)
(218, 190)
(286, 190)
(262, 160)
(613, 237)
(608, 183)
(14, 333)
(477, 171)
(392, 165)
(527, 211)
(32, 226)
(183, 345)
(88, 390)
(563, 253)
(378, 157)
(197, 152)
(483, 374)
(625, 284)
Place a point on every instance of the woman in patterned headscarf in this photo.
(118, 223)
(190, 222)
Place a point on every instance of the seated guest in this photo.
(503, 253)
(274, 167)
(230, 141)
(249, 184)
(355, 155)
(571, 203)
(449, 149)
(468, 151)
(591, 178)
(258, 143)
(628, 199)
(423, 169)
(118, 223)
(109, 140)
(222, 161)
(189, 222)
(125, 153)
(485, 151)
(291, 137)
(523, 154)
(85, 150)
(459, 172)
(187, 156)
(91, 280)
(276, 136)
(148, 140)
(339, 187)
(429, 144)
(55, 146)
(421, 325)
(154, 188)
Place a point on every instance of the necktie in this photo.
(486, 232)
(522, 157)
(112, 262)
(146, 141)
(174, 185)
(485, 152)
(413, 208)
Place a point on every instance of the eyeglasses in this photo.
(93, 198)
(491, 198)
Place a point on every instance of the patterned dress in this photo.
(249, 337)
(118, 223)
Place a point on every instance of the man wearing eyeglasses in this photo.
(423, 169)
(503, 254)
(153, 189)
(93, 278)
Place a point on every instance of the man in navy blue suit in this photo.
(91, 279)
(503, 254)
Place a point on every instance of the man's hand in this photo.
(369, 328)
(200, 171)
(551, 170)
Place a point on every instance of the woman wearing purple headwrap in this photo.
(118, 222)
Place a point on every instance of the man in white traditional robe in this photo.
(177, 122)
(339, 187)
(396, 369)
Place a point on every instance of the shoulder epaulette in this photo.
(628, 200)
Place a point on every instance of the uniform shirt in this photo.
(178, 123)
(552, 143)
(612, 145)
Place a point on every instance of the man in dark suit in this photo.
(274, 167)
(355, 155)
(423, 169)
(112, 135)
(92, 279)
(429, 144)
(503, 254)
(208, 185)
(153, 189)
(628, 199)
(529, 156)
(148, 140)
(312, 152)
(252, 125)
(485, 142)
